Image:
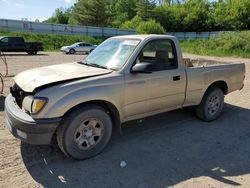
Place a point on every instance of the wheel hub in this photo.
(89, 133)
(213, 104)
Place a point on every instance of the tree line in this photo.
(158, 16)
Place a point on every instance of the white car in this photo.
(78, 47)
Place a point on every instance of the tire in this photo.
(74, 136)
(72, 51)
(211, 105)
(32, 50)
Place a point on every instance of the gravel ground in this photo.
(173, 149)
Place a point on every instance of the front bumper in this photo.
(27, 129)
(66, 50)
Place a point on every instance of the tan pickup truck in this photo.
(124, 78)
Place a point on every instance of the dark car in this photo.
(17, 44)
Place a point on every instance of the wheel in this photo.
(211, 105)
(32, 50)
(91, 50)
(72, 51)
(84, 132)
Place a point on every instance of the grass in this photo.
(233, 44)
(52, 42)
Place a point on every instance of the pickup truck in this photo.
(124, 78)
(17, 44)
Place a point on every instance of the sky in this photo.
(31, 9)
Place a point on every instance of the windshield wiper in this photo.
(83, 62)
(97, 65)
(94, 65)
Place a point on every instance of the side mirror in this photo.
(142, 68)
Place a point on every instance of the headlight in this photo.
(34, 104)
(38, 104)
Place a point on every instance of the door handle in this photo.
(176, 78)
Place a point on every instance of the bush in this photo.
(150, 27)
(133, 23)
(226, 44)
(52, 42)
(144, 27)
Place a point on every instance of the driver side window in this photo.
(161, 54)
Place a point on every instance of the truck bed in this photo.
(202, 73)
(203, 63)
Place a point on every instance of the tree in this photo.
(126, 6)
(144, 9)
(232, 15)
(170, 17)
(197, 15)
(124, 11)
(60, 16)
(91, 12)
(132, 24)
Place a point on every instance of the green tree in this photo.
(126, 6)
(232, 15)
(60, 16)
(132, 24)
(170, 17)
(197, 15)
(124, 11)
(91, 12)
(144, 9)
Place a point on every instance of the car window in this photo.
(113, 53)
(6, 39)
(161, 54)
(16, 40)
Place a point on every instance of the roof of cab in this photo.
(142, 37)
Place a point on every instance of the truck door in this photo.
(136, 94)
(4, 44)
(17, 44)
(167, 81)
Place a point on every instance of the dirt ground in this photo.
(173, 149)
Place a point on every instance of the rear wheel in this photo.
(84, 132)
(32, 50)
(211, 105)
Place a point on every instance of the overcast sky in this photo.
(31, 9)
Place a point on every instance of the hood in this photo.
(65, 47)
(34, 78)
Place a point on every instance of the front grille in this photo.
(18, 94)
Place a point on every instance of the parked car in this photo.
(78, 47)
(124, 78)
(17, 44)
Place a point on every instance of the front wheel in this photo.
(84, 132)
(72, 51)
(211, 105)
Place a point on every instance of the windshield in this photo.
(75, 44)
(112, 53)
